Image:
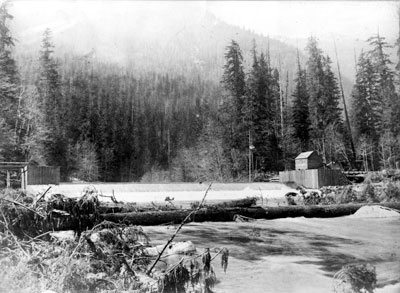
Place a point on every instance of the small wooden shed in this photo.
(29, 174)
(308, 160)
(314, 178)
(12, 167)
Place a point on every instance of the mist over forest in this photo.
(145, 95)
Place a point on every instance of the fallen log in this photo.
(106, 208)
(228, 214)
(110, 207)
(120, 207)
(81, 222)
(239, 203)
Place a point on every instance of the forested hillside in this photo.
(206, 101)
(148, 38)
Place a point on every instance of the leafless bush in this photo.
(392, 191)
(355, 278)
(106, 258)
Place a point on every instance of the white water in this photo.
(295, 255)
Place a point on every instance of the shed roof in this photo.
(304, 155)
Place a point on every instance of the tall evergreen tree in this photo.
(49, 85)
(315, 79)
(331, 95)
(259, 112)
(398, 45)
(7, 63)
(385, 84)
(8, 89)
(323, 96)
(300, 112)
(233, 81)
(49, 88)
(366, 104)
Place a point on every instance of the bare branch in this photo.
(178, 229)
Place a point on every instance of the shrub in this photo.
(375, 177)
(349, 195)
(369, 194)
(392, 192)
(355, 278)
(156, 175)
(396, 175)
(84, 162)
(313, 198)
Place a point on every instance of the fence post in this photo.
(8, 180)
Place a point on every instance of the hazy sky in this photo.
(300, 19)
(293, 19)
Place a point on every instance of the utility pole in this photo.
(286, 88)
(169, 153)
(249, 158)
(251, 148)
(281, 110)
(344, 107)
(280, 97)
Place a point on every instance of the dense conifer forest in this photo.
(100, 121)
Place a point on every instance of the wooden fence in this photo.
(314, 178)
(36, 175)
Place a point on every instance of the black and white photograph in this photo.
(199, 146)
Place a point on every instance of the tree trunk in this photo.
(110, 207)
(228, 214)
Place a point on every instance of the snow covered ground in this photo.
(140, 193)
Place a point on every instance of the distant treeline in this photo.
(99, 121)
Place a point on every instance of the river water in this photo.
(296, 254)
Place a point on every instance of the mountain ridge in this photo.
(193, 43)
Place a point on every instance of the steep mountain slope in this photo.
(179, 38)
(145, 37)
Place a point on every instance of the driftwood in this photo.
(106, 208)
(228, 214)
(184, 221)
(240, 203)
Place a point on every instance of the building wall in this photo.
(314, 161)
(329, 177)
(313, 178)
(301, 164)
(311, 162)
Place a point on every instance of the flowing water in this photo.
(296, 254)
